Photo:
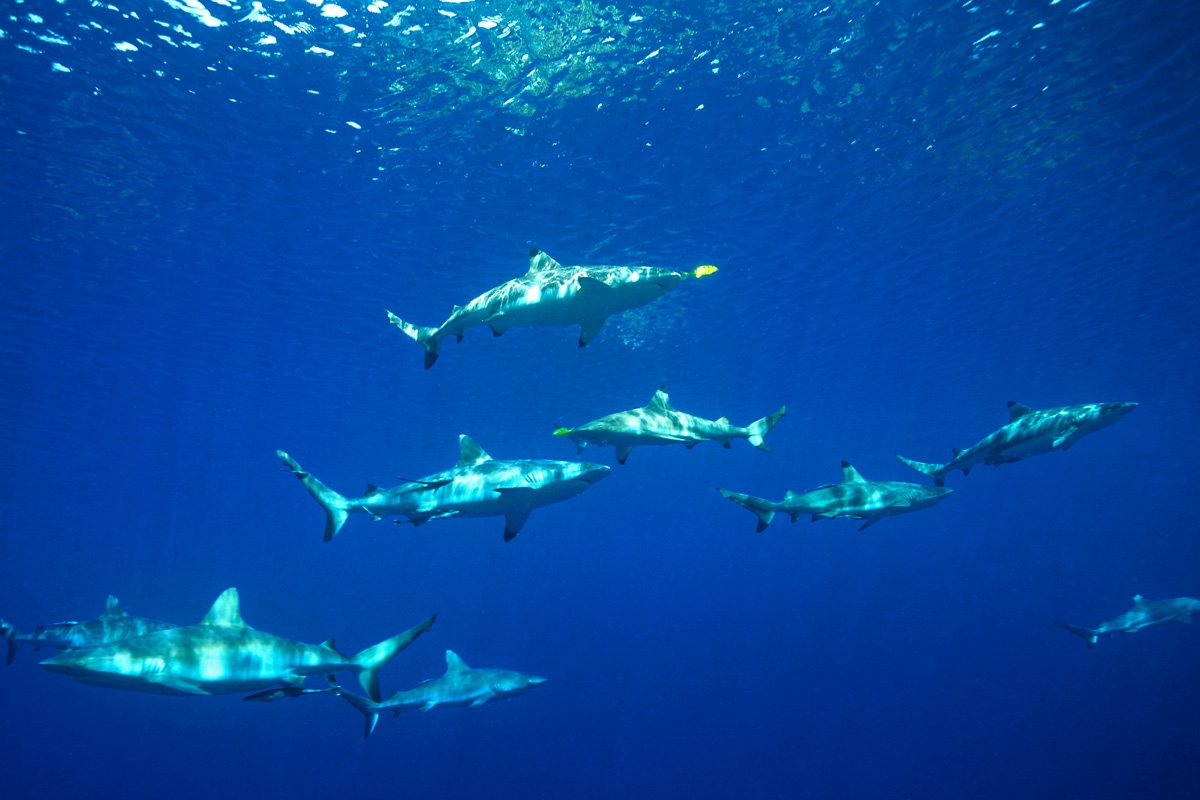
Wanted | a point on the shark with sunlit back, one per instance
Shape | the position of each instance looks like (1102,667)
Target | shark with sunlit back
(657,423)
(1144,614)
(222,655)
(460,686)
(1029,432)
(552,294)
(477,486)
(113,625)
(855,498)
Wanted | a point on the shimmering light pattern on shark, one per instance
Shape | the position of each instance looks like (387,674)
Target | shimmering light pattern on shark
(478,486)
(854,498)
(221,655)
(551,294)
(1144,614)
(657,423)
(1029,432)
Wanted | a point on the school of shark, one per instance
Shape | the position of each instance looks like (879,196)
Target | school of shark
(221,654)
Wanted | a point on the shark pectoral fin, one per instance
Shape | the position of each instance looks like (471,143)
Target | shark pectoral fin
(429,704)
(1065,439)
(623,451)
(176,685)
(589,328)
(868,523)
(690,443)
(498,326)
(420,519)
(478,701)
(513,522)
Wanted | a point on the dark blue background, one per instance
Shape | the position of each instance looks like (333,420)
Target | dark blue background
(914,224)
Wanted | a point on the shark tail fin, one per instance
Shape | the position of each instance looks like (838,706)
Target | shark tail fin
(763,509)
(760,428)
(366,706)
(428,338)
(337,508)
(375,657)
(1088,635)
(935,471)
(10,641)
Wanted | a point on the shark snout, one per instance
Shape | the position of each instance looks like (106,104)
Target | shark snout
(592,473)
(1117,410)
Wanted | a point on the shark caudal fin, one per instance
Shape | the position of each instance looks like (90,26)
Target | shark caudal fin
(337,508)
(373,659)
(762,427)
(426,337)
(366,706)
(1089,636)
(10,641)
(763,509)
(935,471)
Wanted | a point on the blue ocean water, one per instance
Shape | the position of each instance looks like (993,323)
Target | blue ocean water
(919,212)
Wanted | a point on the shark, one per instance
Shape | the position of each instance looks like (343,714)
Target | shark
(1029,432)
(657,423)
(113,625)
(1144,614)
(460,685)
(223,655)
(855,497)
(552,294)
(477,486)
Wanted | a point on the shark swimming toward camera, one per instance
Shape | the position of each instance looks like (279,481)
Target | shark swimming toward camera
(113,625)
(477,486)
(460,686)
(657,423)
(1144,614)
(855,498)
(552,294)
(222,655)
(1029,432)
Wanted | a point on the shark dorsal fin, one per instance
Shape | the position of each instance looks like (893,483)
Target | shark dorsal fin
(1138,600)
(722,420)
(371,488)
(225,612)
(470,453)
(661,400)
(850,474)
(1017,410)
(113,608)
(539,261)
(454,662)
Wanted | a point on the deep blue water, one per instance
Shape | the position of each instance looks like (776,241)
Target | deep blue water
(918,213)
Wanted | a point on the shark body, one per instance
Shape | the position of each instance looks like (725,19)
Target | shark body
(1144,614)
(460,685)
(657,423)
(222,655)
(855,497)
(113,625)
(552,294)
(478,486)
(1029,432)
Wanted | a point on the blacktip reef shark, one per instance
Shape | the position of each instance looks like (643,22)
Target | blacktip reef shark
(552,294)
(657,423)
(113,625)
(222,655)
(1029,432)
(460,686)
(1144,614)
(855,497)
(477,486)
